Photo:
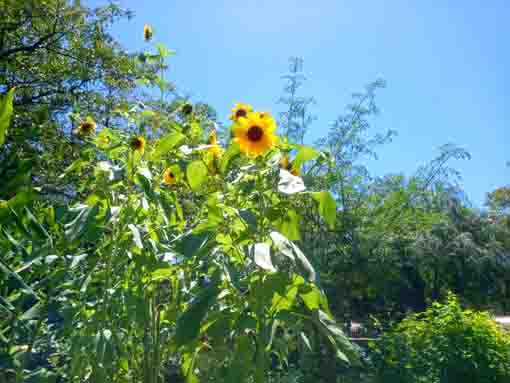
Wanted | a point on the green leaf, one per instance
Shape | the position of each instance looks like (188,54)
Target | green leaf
(288,225)
(188,324)
(162,273)
(164,51)
(196,174)
(137,238)
(166,144)
(144,179)
(5,269)
(311,298)
(345,350)
(305,153)
(230,153)
(15,203)
(36,226)
(84,224)
(188,366)
(285,301)
(5,114)
(327,206)
(305,340)
(32,313)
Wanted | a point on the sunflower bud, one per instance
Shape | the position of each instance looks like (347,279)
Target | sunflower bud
(147,32)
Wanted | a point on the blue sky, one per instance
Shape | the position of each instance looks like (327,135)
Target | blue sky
(446,63)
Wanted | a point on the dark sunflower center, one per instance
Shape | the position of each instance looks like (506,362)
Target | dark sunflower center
(241,113)
(255,133)
(87,126)
(187,109)
(136,143)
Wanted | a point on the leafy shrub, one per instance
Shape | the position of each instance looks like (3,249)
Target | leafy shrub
(444,344)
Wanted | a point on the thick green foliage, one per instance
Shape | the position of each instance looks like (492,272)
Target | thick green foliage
(442,345)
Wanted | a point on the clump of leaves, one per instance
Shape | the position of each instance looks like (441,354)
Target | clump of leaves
(444,344)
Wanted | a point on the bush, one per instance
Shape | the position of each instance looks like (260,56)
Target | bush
(444,344)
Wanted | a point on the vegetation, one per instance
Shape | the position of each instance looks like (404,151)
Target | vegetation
(444,344)
(143,242)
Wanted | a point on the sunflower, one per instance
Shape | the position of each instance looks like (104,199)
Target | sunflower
(169,177)
(213,138)
(255,133)
(213,153)
(137,143)
(287,165)
(147,32)
(87,127)
(240,110)
(215,150)
(187,109)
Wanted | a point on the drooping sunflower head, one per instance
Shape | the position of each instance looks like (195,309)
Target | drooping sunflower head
(87,127)
(187,109)
(137,144)
(213,138)
(255,134)
(147,32)
(286,164)
(169,177)
(240,110)
(215,150)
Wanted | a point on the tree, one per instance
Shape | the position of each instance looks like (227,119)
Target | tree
(60,58)
(295,121)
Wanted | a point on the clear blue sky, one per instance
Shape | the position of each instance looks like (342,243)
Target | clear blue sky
(446,63)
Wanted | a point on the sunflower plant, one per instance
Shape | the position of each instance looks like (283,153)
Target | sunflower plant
(180,253)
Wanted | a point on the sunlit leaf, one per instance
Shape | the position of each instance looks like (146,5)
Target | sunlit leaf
(304,154)
(137,238)
(327,206)
(231,152)
(5,114)
(196,174)
(289,225)
(166,144)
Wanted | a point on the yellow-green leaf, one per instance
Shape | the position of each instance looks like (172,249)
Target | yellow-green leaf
(304,154)
(166,144)
(196,174)
(5,114)
(327,206)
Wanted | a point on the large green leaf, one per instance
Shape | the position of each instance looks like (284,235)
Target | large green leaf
(5,114)
(6,270)
(305,153)
(228,156)
(327,206)
(196,174)
(311,296)
(345,350)
(15,203)
(188,324)
(166,144)
(288,225)
(83,224)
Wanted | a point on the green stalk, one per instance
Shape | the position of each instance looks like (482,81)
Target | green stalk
(22,365)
